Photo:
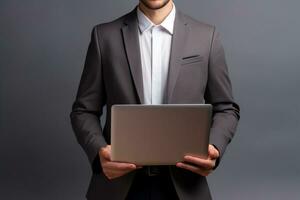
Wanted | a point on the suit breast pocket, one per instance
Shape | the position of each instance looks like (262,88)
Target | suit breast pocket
(191,59)
(191,80)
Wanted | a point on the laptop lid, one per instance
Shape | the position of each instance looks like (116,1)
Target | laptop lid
(160,134)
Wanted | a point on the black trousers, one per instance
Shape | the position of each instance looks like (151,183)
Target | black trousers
(159,187)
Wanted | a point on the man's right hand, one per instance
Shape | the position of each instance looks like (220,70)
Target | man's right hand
(113,169)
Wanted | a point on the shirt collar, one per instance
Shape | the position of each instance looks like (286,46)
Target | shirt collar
(145,23)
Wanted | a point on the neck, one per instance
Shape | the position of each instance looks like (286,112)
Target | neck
(157,15)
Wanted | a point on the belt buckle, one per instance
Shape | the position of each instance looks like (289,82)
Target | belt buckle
(152,171)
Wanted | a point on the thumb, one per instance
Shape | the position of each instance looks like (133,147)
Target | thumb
(105,152)
(213,152)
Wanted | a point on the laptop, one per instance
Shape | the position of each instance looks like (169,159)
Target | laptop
(148,134)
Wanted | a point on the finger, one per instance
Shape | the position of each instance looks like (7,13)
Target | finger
(105,153)
(194,169)
(213,153)
(120,166)
(204,163)
(114,173)
(108,147)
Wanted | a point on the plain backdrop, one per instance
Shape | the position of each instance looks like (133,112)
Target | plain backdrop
(42,50)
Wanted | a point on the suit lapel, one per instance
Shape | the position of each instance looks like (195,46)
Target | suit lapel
(178,42)
(131,41)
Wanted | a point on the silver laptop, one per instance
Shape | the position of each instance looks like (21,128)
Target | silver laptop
(159,134)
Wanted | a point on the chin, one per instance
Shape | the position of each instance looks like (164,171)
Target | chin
(154,4)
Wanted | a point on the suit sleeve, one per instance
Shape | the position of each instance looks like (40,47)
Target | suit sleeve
(226,112)
(89,102)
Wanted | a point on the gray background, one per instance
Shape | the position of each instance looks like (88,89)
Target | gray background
(43,46)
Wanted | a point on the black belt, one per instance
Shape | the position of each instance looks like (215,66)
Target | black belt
(154,170)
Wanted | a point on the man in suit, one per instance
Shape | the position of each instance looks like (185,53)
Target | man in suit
(154,54)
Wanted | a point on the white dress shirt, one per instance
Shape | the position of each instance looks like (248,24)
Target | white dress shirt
(155,46)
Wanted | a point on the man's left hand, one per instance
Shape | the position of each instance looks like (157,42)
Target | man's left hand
(198,165)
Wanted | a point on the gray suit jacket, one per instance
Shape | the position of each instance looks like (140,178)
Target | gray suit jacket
(112,75)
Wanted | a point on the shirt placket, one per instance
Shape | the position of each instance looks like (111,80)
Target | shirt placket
(156,67)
